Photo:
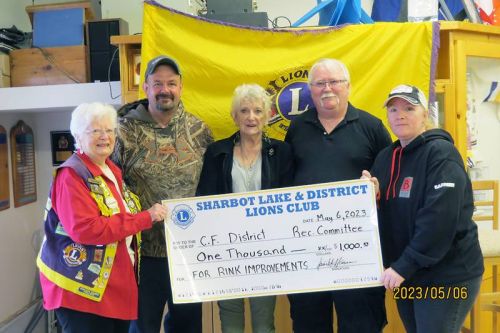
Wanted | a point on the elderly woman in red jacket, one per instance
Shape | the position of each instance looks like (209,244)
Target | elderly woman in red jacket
(87,259)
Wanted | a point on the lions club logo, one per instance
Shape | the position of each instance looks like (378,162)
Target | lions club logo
(183,216)
(74,255)
(291,97)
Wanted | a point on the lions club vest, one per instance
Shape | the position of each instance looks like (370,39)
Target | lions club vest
(79,268)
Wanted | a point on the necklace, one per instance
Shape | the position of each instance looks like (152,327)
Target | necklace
(248,158)
(246,178)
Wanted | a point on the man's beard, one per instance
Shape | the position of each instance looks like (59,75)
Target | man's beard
(165,106)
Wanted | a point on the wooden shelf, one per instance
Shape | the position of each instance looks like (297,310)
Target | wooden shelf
(127,39)
(89,13)
(50,65)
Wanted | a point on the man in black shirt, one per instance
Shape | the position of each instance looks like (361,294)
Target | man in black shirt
(335,141)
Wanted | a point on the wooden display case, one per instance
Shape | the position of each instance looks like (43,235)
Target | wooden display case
(130,57)
(460,40)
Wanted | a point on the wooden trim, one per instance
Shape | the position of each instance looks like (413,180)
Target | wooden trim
(488,185)
(4,171)
(130,39)
(469,27)
(89,13)
(440,86)
(461,99)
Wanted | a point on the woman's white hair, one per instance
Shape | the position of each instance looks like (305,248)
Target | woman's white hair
(87,113)
(253,93)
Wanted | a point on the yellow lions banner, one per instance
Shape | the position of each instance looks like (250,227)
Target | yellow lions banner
(216,57)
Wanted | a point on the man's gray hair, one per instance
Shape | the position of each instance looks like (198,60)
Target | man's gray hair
(330,64)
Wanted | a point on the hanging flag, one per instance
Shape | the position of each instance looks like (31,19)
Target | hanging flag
(489,11)
(216,57)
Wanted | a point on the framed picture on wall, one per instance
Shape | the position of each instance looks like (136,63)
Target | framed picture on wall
(134,70)
(62,146)
(137,69)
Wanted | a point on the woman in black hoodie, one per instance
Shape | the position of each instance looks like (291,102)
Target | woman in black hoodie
(429,241)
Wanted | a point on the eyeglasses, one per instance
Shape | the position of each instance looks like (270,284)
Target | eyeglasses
(331,83)
(99,132)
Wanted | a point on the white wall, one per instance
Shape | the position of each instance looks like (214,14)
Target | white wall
(12,12)
(22,227)
(132,13)
(19,227)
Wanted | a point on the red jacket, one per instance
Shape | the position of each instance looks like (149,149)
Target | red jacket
(84,223)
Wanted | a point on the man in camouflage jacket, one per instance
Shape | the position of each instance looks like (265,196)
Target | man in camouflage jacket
(160,149)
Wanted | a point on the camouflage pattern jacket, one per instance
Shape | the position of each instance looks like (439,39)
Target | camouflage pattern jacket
(159,163)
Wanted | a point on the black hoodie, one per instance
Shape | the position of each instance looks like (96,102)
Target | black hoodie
(425,211)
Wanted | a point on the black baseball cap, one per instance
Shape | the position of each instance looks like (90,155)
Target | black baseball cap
(154,63)
(409,93)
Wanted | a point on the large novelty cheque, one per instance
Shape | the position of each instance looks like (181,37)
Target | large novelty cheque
(281,241)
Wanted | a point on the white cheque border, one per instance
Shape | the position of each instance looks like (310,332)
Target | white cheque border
(271,242)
